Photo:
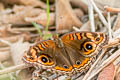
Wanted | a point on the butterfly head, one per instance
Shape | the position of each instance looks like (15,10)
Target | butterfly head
(30,56)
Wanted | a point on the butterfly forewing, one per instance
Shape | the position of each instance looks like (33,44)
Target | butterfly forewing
(47,55)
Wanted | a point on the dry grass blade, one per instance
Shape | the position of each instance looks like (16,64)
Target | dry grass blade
(99,13)
(91,16)
(109,26)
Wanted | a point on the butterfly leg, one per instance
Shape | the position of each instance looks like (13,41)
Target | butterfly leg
(36,75)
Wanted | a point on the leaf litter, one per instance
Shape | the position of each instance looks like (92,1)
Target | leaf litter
(17,33)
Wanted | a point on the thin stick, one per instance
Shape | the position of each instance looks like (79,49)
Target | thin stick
(106,62)
(10,74)
(91,16)
(92,67)
(117,33)
(12,69)
(112,43)
(76,29)
(99,13)
(110,9)
(109,26)
(6,42)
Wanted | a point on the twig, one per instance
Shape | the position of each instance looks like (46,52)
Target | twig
(99,13)
(76,29)
(109,26)
(110,9)
(92,67)
(12,69)
(106,62)
(113,42)
(24,29)
(117,33)
(91,16)
(10,74)
(6,42)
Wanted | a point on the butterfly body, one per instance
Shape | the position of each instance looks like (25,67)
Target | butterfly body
(70,54)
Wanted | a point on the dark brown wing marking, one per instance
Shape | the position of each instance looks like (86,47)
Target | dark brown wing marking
(78,35)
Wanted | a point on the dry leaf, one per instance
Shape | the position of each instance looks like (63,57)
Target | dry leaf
(4,55)
(80,4)
(79,13)
(42,19)
(65,17)
(34,3)
(108,73)
(17,51)
(19,15)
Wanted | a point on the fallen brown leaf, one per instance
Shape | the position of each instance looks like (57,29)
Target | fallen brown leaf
(108,73)
(20,12)
(65,17)
(42,19)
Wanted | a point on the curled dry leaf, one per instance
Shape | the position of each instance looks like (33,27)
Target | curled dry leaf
(9,34)
(5,55)
(65,17)
(7,31)
(79,13)
(108,73)
(80,4)
(42,19)
(12,39)
(20,14)
(35,3)
(10,1)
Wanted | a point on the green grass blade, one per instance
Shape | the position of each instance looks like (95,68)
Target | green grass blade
(48,12)
(38,28)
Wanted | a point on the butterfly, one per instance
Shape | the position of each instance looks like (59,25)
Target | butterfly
(70,54)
